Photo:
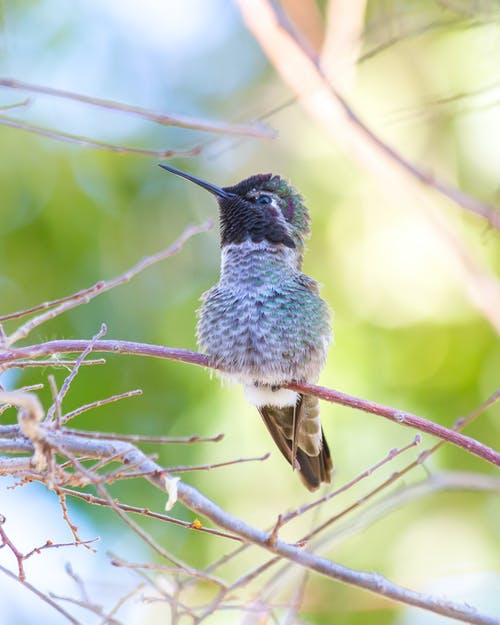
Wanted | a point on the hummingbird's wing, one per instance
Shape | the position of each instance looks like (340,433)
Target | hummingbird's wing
(299,436)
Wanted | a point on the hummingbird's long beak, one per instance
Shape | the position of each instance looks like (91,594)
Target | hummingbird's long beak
(211,188)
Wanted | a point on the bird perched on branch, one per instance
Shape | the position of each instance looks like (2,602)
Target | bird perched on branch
(264,324)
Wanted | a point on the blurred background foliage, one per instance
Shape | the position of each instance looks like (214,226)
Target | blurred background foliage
(406,333)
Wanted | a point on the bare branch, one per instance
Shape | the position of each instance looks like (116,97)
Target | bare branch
(71,446)
(460,424)
(139,438)
(42,596)
(100,402)
(310,81)
(52,363)
(85,296)
(306,16)
(398,416)
(56,406)
(6,542)
(340,51)
(84,142)
(119,562)
(194,500)
(390,456)
(400,179)
(164,119)
(99,501)
(208,467)
(50,545)
(16,105)
(87,605)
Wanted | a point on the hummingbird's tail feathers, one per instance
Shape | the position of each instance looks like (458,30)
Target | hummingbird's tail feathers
(315,469)
(297,432)
(269,416)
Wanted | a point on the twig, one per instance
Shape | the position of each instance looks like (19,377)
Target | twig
(72,527)
(208,467)
(63,450)
(340,50)
(99,501)
(85,296)
(50,545)
(139,438)
(52,363)
(297,600)
(23,389)
(42,596)
(412,32)
(282,519)
(78,581)
(286,518)
(16,105)
(120,603)
(164,119)
(97,404)
(241,582)
(280,46)
(6,542)
(402,180)
(118,562)
(47,305)
(84,142)
(402,417)
(56,406)
(460,423)
(87,605)
(197,502)
(182,355)
(373,582)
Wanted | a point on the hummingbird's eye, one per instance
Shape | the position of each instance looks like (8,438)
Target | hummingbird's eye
(263,199)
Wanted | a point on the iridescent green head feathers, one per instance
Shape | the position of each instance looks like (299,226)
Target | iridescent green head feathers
(261,207)
(282,195)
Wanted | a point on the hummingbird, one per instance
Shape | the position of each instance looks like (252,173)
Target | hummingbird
(264,323)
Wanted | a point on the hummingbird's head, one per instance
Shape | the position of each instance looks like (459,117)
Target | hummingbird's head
(260,208)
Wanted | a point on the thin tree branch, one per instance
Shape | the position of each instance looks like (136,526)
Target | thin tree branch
(194,500)
(281,48)
(86,295)
(100,402)
(402,180)
(84,142)
(42,596)
(397,475)
(140,438)
(71,446)
(56,406)
(183,355)
(52,363)
(99,501)
(344,27)
(289,516)
(164,119)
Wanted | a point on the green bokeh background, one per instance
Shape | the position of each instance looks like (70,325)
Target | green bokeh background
(406,332)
